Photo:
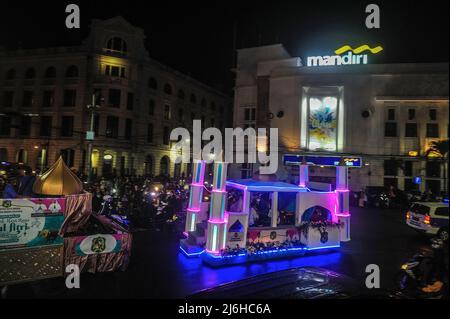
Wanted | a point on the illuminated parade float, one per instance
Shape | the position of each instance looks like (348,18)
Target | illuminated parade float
(41,236)
(304,217)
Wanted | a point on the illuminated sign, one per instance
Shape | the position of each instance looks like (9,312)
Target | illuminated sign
(352,56)
(350,161)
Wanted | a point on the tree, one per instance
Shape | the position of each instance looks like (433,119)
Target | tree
(439,149)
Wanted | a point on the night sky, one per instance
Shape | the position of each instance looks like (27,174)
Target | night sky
(197,38)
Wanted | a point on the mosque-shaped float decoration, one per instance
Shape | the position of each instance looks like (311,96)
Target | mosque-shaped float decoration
(299,219)
(42,235)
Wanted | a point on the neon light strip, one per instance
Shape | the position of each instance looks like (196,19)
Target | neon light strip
(214,239)
(199,171)
(197,184)
(193,210)
(342,190)
(224,238)
(191,254)
(219,175)
(344,215)
(217,221)
(193,222)
(214,254)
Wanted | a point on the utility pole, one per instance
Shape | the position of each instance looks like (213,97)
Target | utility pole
(90,135)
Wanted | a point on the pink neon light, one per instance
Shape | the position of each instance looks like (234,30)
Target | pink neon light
(212,252)
(302,185)
(196,184)
(342,190)
(217,221)
(193,210)
(215,190)
(185,234)
(343,215)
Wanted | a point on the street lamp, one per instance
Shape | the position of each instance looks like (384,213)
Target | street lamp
(90,135)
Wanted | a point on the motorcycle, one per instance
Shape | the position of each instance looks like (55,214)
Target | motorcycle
(413,279)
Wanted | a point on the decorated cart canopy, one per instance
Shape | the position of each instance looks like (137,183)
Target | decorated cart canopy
(40,236)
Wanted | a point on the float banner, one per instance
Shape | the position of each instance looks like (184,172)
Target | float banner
(30,222)
(349,161)
(97,244)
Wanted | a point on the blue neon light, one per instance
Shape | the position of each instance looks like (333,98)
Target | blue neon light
(193,222)
(219,175)
(214,239)
(191,254)
(199,168)
(351,161)
(277,251)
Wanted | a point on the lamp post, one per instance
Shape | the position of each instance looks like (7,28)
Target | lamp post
(90,135)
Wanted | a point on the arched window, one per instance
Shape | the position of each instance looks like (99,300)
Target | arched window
(213,106)
(3,154)
(167,88)
(164,166)
(30,73)
(72,72)
(193,98)
(203,103)
(152,83)
(50,72)
(117,44)
(181,94)
(11,74)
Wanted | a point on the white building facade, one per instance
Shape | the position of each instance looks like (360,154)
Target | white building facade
(388,114)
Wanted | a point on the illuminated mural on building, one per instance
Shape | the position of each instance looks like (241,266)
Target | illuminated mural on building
(322,123)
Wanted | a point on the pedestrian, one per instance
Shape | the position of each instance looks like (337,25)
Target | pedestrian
(362,199)
(10,191)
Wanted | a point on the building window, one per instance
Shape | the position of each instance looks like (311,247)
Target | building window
(408,168)
(10,75)
(70,97)
(152,83)
(181,94)
(114,98)
(192,116)
(117,44)
(433,169)
(167,114)
(130,101)
(68,156)
(25,126)
(166,135)
(27,99)
(390,129)
(193,98)
(411,130)
(411,114)
(213,123)
(128,129)
(115,71)
(203,103)
(390,168)
(8,98)
(391,114)
(50,72)
(150,133)
(221,109)
(151,107)
(180,114)
(432,113)
(432,130)
(168,89)
(112,126)
(45,128)
(67,126)
(250,114)
(5,127)
(48,98)
(30,74)
(72,72)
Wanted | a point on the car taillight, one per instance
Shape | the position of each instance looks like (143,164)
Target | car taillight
(427,219)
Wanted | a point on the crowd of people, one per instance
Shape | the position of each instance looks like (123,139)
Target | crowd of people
(140,201)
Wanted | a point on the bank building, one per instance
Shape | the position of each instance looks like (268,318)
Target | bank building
(385,121)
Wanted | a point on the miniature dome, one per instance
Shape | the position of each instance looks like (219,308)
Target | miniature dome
(58,180)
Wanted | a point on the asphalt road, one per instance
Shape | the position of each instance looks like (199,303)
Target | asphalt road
(158,270)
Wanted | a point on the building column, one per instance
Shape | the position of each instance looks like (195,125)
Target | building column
(342,202)
(274,209)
